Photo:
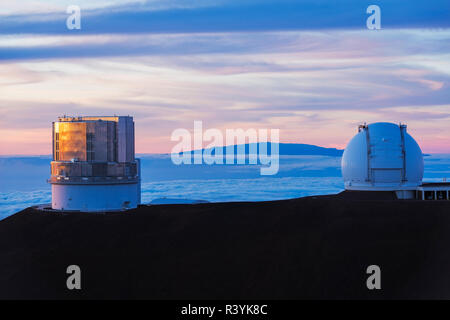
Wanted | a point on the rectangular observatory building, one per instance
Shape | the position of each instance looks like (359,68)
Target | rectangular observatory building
(94,166)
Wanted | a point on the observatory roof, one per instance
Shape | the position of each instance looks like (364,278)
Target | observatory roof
(91,118)
(382,156)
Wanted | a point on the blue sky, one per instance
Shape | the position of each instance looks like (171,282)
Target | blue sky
(178,16)
(309,68)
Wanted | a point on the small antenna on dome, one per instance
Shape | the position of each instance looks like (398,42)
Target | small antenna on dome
(362,126)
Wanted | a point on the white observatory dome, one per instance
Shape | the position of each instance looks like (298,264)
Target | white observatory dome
(382,156)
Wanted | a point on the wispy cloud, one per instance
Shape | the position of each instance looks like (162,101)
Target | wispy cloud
(231,65)
(219,16)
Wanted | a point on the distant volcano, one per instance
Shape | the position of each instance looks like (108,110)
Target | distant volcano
(285,149)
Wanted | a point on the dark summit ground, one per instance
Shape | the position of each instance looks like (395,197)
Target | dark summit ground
(314,247)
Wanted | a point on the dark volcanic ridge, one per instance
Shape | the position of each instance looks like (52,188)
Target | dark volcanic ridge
(284,149)
(313,247)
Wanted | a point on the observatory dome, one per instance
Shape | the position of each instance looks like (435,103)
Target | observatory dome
(382,156)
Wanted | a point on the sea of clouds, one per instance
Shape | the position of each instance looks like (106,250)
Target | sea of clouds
(23,180)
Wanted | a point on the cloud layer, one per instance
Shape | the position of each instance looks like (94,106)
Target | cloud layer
(298,176)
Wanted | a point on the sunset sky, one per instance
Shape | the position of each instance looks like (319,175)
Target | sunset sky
(309,68)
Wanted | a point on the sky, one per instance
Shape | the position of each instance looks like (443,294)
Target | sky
(308,68)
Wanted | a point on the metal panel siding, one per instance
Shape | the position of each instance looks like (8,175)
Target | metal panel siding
(386,175)
(125,139)
(72,140)
(99,169)
(130,139)
(101,141)
(386,151)
(111,138)
(53,141)
(121,140)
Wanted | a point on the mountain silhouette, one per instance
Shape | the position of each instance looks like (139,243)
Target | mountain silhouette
(285,149)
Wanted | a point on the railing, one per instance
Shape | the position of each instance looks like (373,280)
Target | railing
(92,180)
(433,194)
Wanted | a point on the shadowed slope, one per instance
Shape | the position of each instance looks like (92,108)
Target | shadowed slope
(315,247)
